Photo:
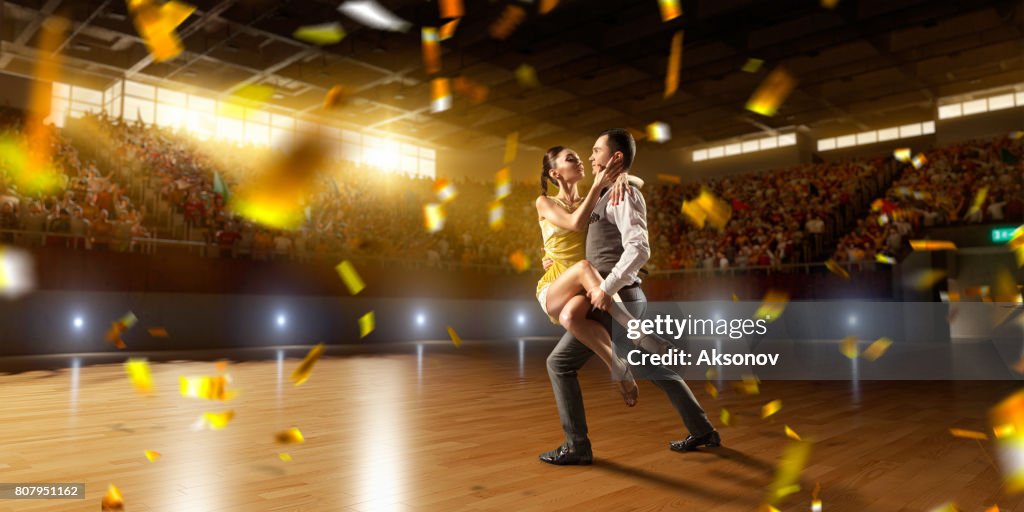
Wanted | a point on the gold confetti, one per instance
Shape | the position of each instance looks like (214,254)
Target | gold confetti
(772,306)
(152,456)
(902,154)
(670,178)
(834,267)
(451,8)
(993,508)
(322,35)
(694,213)
(305,368)
(221,366)
(445,190)
(138,372)
(659,132)
(456,340)
(718,211)
(511,146)
(882,258)
(251,96)
(876,349)
(433,217)
(440,94)
(752,65)
(670,9)
(30,161)
(787,474)
(366,324)
(206,388)
(1007,419)
(675,61)
(510,19)
(979,200)
(519,261)
(112,500)
(749,385)
(496,215)
(156,23)
(285,457)
(772,92)
(767,508)
(816,505)
(476,93)
(118,327)
(348,274)
(968,434)
(431,50)
(712,373)
(848,347)
(946,507)
(158,332)
(448,29)
(527,76)
(711,389)
(726,417)
(790,433)
(547,6)
(925,279)
(502,183)
(735,298)
(771,408)
(336,97)
(274,195)
(919,161)
(290,436)
(215,420)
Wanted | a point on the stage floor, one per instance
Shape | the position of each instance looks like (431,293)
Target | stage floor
(431,427)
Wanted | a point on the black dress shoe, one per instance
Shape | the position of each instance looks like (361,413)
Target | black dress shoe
(565,455)
(711,440)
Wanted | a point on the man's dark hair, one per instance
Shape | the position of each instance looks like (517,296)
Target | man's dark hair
(621,140)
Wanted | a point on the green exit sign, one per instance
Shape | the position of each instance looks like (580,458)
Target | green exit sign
(1002,235)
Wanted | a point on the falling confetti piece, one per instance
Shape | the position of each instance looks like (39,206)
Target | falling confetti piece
(215,420)
(366,324)
(718,211)
(448,29)
(670,9)
(772,306)
(321,35)
(834,267)
(902,154)
(968,434)
(767,508)
(274,195)
(979,200)
(348,274)
(919,161)
(1007,419)
(949,296)
(451,8)
(787,474)
(659,132)
(152,456)
(946,507)
(519,261)
(993,508)
(431,50)
(510,19)
(749,385)
(440,94)
(206,387)
(790,433)
(735,298)
(502,184)
(711,389)
(138,372)
(305,368)
(496,215)
(816,506)
(511,146)
(848,347)
(290,436)
(876,349)
(752,65)
(772,92)
(670,178)
(726,417)
(694,213)
(285,457)
(445,190)
(675,61)
(16,273)
(157,23)
(476,92)
(433,217)
(526,76)
(456,340)
(711,373)
(336,97)
(882,258)
(771,408)
(547,6)
(158,332)
(112,500)
(373,15)
(118,327)
(925,279)
(221,366)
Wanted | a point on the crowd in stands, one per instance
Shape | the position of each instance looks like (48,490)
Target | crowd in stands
(782,216)
(962,183)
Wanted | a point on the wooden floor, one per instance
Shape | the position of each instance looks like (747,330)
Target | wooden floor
(461,429)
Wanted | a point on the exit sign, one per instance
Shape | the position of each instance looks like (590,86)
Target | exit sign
(1002,235)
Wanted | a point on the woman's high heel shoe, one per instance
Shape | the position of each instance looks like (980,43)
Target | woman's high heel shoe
(627,386)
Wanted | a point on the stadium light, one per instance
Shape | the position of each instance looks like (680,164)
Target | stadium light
(421,319)
(852,320)
(521,319)
(281,320)
(78,322)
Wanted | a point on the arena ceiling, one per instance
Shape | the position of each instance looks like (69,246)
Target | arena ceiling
(863,65)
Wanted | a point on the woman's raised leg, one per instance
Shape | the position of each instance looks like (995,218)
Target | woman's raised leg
(592,334)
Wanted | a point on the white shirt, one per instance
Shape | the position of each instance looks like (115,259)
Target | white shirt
(630,216)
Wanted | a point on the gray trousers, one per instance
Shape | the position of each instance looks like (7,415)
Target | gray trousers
(570,354)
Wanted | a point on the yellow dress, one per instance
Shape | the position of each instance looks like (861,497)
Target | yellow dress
(564,247)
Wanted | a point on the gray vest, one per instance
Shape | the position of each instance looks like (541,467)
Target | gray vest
(604,241)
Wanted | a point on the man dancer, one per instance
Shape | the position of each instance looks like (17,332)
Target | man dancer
(617,247)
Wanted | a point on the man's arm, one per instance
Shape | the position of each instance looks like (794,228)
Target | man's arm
(630,216)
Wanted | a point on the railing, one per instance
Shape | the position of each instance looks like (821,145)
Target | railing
(785,268)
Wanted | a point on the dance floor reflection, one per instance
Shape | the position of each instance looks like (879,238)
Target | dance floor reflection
(431,427)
